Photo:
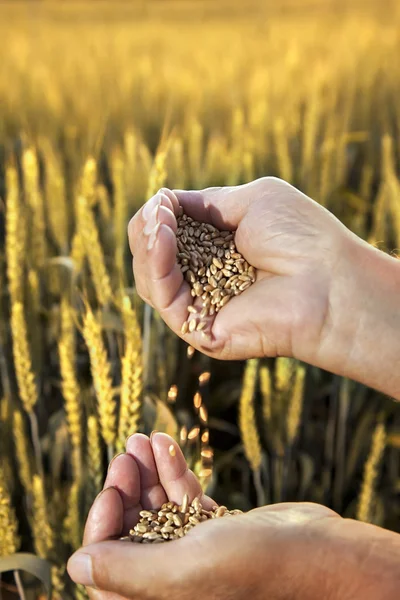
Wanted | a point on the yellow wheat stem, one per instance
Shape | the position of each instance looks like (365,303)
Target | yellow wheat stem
(94,459)
(247,417)
(101,374)
(371,469)
(94,252)
(23,452)
(9,541)
(14,236)
(22,358)
(295,407)
(132,376)
(34,198)
(70,385)
(42,533)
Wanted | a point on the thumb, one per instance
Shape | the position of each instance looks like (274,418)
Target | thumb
(131,570)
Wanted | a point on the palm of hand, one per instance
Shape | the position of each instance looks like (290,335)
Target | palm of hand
(143,478)
(207,561)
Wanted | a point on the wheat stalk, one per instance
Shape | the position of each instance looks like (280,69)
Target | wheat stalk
(22,358)
(14,236)
(284,371)
(295,407)
(371,469)
(22,451)
(101,374)
(88,181)
(132,376)
(94,252)
(247,417)
(94,459)
(72,522)
(56,202)
(9,541)
(158,174)
(43,538)
(70,385)
(34,198)
(120,207)
(266,393)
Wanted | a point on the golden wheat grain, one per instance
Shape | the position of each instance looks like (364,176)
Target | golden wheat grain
(94,459)
(132,376)
(69,383)
(43,537)
(295,407)
(247,416)
(94,251)
(22,451)
(371,469)
(22,358)
(34,199)
(15,237)
(9,540)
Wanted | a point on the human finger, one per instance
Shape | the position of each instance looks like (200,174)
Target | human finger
(152,494)
(173,471)
(123,475)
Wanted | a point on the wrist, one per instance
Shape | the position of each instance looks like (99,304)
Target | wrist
(361,333)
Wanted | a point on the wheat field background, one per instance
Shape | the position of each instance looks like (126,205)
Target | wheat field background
(101,104)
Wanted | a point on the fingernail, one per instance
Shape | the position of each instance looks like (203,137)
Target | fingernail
(152,221)
(80,568)
(150,205)
(153,237)
(153,433)
(112,460)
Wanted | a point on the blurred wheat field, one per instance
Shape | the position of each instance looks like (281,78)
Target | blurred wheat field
(102,104)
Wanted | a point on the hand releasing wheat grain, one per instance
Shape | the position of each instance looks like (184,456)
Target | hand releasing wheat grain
(291,241)
(300,551)
(321,295)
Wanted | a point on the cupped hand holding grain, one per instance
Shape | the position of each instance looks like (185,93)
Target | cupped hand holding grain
(321,295)
(292,550)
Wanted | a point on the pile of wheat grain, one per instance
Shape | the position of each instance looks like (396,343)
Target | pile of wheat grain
(211,264)
(173,521)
